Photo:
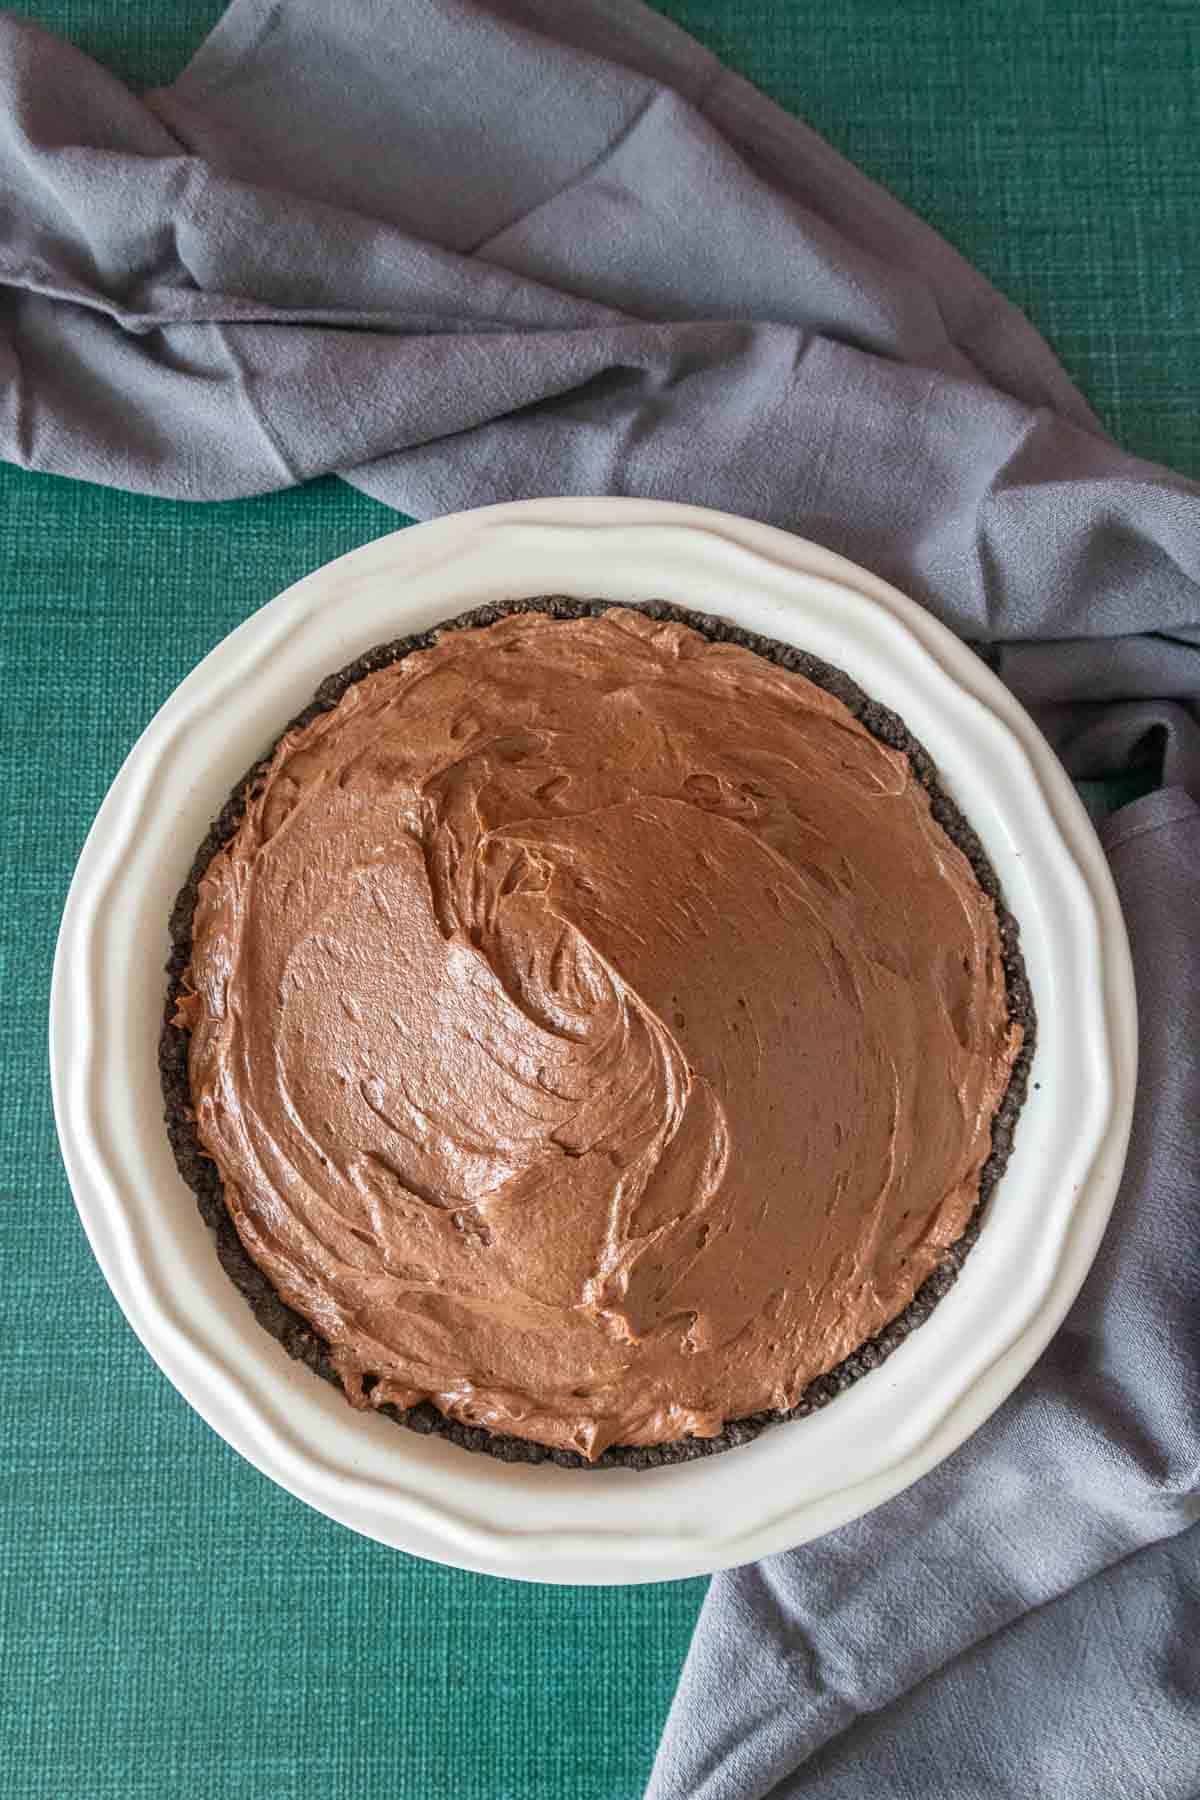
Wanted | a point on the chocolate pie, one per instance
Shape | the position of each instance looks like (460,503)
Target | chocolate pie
(593,1032)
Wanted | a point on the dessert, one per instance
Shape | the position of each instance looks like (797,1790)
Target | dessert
(593,1032)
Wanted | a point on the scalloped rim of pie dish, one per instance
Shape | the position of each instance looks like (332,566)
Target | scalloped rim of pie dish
(544,1523)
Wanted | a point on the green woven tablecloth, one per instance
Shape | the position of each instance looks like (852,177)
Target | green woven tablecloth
(171,1624)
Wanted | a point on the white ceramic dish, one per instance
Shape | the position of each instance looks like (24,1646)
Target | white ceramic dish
(545,1523)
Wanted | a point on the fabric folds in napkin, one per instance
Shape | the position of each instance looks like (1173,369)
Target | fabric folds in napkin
(460,251)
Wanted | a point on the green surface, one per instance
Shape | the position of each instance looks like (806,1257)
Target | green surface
(170,1623)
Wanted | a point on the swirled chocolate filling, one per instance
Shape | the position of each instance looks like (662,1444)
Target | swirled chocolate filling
(594,1030)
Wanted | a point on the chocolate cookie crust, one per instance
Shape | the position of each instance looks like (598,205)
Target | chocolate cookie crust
(298,1337)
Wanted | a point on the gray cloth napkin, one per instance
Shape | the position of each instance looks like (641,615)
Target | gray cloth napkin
(460,251)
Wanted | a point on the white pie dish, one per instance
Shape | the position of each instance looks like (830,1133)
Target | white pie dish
(544,1523)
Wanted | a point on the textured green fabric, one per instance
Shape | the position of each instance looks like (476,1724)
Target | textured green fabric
(170,1623)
